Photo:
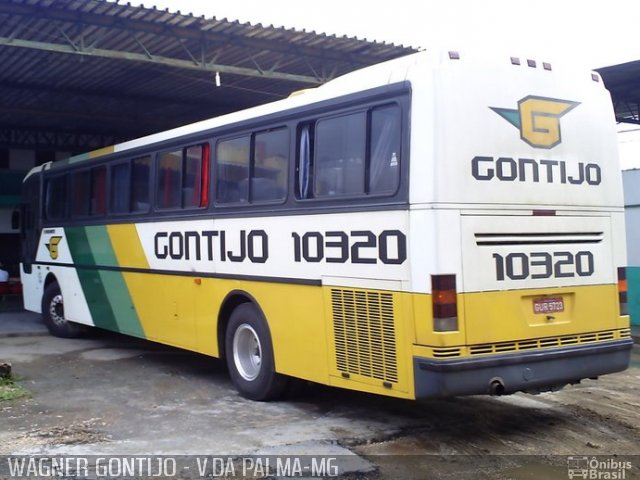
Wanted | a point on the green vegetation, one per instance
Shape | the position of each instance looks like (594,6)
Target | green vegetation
(10,390)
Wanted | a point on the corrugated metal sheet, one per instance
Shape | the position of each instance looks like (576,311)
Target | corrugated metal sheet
(623,83)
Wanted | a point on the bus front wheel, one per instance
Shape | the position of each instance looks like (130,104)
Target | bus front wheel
(249,355)
(53,314)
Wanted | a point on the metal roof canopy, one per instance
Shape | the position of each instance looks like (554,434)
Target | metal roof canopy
(623,81)
(80,74)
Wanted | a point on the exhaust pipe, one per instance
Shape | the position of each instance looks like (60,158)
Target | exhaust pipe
(496,387)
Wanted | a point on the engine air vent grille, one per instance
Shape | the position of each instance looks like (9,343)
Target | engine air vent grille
(364,330)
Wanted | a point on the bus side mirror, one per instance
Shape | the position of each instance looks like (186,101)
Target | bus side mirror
(15,220)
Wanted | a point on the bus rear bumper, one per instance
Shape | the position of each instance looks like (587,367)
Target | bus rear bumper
(531,372)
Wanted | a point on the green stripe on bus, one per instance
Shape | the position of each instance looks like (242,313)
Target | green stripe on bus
(121,304)
(105,291)
(115,286)
(100,246)
(79,246)
(90,281)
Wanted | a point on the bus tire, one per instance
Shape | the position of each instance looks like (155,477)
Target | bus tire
(53,314)
(249,354)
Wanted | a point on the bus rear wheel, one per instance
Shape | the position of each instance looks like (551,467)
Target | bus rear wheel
(249,355)
(53,314)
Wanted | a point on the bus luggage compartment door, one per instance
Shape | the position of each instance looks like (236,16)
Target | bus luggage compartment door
(529,277)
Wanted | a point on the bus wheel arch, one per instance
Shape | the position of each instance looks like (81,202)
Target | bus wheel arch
(53,311)
(51,278)
(248,349)
(229,304)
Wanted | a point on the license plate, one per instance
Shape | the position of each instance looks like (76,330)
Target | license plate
(548,305)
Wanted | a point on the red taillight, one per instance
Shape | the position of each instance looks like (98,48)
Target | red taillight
(622,291)
(444,300)
(204,178)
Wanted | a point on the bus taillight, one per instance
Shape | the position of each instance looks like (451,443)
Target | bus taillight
(622,291)
(444,301)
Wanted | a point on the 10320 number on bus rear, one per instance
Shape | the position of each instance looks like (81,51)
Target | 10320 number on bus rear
(540,265)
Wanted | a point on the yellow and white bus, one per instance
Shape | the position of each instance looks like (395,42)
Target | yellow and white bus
(436,225)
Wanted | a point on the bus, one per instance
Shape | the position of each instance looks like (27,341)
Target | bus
(441,224)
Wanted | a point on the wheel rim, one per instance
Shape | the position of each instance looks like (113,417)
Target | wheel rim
(247,352)
(56,310)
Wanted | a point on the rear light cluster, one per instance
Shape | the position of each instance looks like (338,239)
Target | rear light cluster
(444,300)
(622,291)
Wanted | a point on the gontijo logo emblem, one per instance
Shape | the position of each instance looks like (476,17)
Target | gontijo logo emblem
(52,246)
(538,119)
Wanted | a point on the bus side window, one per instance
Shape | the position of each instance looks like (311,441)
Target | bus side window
(80,189)
(232,170)
(169,182)
(98,191)
(120,187)
(180,178)
(140,172)
(340,152)
(56,197)
(192,177)
(305,160)
(384,145)
(270,165)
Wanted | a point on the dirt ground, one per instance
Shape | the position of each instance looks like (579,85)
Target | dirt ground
(113,395)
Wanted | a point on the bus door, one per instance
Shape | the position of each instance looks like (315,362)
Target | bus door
(30,222)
